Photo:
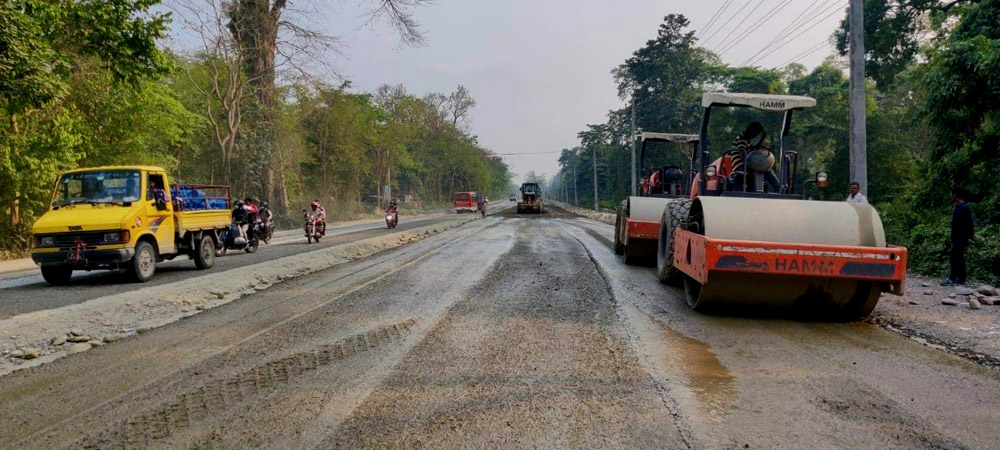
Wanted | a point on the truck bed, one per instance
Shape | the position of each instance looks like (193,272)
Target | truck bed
(206,219)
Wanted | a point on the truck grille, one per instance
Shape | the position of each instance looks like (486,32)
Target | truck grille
(89,238)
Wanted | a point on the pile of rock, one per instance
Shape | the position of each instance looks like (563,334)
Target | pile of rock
(976,298)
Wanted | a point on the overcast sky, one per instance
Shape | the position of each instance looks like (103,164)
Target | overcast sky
(540,69)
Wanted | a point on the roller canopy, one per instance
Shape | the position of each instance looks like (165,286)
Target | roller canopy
(759,101)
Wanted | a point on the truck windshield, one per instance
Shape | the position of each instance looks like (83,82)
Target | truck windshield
(99,186)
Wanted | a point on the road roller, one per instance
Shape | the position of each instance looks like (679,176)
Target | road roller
(531,199)
(745,242)
(637,222)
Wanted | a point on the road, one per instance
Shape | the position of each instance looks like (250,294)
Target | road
(24,290)
(513,331)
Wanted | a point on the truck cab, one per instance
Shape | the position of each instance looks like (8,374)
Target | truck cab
(122,217)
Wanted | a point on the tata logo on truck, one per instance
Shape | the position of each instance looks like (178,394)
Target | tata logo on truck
(764,104)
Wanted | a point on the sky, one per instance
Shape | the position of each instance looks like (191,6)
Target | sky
(540,69)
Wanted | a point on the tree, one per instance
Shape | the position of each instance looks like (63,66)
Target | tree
(43,44)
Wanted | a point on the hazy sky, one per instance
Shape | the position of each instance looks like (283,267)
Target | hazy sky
(540,69)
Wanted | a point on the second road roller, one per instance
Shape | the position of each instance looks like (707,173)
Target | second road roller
(637,222)
(747,243)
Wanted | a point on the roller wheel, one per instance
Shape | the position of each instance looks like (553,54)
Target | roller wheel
(57,275)
(692,290)
(674,216)
(862,302)
(204,253)
(619,246)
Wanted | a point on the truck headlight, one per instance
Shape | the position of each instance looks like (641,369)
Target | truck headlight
(46,241)
(710,172)
(117,237)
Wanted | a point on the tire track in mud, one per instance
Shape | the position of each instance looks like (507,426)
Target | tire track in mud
(221,395)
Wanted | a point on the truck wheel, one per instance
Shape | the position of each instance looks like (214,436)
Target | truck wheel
(204,253)
(674,216)
(143,265)
(57,275)
(619,247)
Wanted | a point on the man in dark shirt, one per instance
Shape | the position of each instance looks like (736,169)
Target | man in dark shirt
(962,231)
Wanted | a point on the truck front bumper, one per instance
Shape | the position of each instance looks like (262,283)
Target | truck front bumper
(86,258)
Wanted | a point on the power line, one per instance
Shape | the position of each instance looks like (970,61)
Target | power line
(806,22)
(767,17)
(527,153)
(792,39)
(737,27)
(714,18)
(808,52)
(782,32)
(717,30)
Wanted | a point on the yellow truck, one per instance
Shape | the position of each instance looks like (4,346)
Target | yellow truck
(126,217)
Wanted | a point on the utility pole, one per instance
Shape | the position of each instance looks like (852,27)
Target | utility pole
(576,198)
(594,149)
(859,130)
(632,135)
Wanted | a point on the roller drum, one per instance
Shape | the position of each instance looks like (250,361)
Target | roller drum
(793,222)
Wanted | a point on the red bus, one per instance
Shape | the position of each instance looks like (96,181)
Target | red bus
(465,201)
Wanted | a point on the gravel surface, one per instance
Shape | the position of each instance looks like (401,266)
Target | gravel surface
(942,317)
(514,331)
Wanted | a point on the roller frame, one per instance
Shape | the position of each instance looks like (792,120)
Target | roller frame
(698,256)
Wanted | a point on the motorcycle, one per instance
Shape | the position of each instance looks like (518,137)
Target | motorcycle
(265,230)
(314,227)
(231,239)
(391,218)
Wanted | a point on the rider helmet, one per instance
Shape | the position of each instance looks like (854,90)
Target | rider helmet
(314,204)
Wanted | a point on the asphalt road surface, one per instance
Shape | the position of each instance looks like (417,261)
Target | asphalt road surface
(26,291)
(514,331)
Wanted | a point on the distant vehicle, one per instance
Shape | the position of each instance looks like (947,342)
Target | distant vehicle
(512,198)
(465,201)
(531,199)
(125,217)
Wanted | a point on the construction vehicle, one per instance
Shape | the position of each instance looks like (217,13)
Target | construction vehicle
(123,217)
(637,221)
(747,243)
(531,199)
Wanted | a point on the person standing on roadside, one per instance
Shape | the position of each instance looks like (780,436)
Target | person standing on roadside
(963,230)
(856,195)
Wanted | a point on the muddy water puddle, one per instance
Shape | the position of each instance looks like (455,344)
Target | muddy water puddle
(713,386)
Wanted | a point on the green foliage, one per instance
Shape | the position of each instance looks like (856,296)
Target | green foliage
(74,88)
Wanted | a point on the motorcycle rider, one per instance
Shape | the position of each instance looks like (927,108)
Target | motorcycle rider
(394,208)
(481,206)
(265,215)
(239,216)
(253,214)
(320,213)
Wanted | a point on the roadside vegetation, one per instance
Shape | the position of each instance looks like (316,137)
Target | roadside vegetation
(932,119)
(239,100)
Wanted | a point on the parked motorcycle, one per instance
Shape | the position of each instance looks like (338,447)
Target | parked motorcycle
(391,218)
(231,239)
(314,227)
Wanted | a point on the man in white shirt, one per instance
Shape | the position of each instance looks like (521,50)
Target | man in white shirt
(856,195)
